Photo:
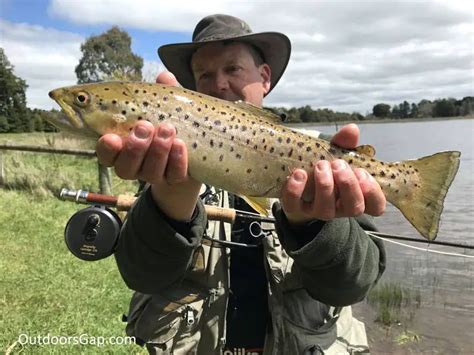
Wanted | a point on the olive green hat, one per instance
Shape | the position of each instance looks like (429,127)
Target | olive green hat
(275,47)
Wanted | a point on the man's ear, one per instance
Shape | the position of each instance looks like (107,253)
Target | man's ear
(266,74)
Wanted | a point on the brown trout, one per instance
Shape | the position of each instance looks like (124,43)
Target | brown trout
(244,150)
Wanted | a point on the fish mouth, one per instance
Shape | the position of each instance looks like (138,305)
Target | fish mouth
(71,117)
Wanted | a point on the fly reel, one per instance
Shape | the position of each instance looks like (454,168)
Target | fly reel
(92,233)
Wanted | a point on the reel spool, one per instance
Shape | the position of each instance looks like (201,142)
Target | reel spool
(92,233)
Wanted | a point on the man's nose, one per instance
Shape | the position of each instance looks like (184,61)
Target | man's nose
(221,82)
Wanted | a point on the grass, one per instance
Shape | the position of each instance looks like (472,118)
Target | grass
(394,304)
(45,289)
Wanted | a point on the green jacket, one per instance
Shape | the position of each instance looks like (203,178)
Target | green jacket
(181,281)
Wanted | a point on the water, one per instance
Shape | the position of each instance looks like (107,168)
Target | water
(445,282)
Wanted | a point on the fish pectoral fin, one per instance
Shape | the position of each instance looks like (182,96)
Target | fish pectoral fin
(366,149)
(260,204)
(259,112)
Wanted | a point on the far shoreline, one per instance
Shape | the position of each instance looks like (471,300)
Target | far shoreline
(385,120)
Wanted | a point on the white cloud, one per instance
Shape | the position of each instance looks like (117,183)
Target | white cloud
(44,57)
(346,55)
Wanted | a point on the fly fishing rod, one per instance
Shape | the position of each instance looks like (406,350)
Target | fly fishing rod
(92,233)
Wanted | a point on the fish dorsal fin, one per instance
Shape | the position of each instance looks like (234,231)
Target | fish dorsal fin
(366,150)
(259,112)
(260,204)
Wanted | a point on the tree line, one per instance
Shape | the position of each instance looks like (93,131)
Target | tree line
(109,57)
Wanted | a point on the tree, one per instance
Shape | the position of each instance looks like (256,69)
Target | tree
(404,109)
(381,110)
(108,57)
(414,110)
(444,108)
(425,108)
(14,115)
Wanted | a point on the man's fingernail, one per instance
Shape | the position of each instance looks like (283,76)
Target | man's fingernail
(164,132)
(339,164)
(141,132)
(298,176)
(322,166)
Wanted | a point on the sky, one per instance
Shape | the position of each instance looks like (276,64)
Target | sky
(346,55)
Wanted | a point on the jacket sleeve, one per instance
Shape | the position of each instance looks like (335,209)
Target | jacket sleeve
(153,251)
(337,261)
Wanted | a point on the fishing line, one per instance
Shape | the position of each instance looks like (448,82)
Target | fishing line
(422,249)
(260,218)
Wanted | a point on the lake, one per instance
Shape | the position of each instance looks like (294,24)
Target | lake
(445,282)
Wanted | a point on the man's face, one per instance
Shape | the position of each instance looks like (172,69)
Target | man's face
(229,72)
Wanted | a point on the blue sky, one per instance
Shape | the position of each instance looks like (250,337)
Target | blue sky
(35,12)
(347,56)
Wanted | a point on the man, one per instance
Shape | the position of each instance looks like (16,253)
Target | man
(284,295)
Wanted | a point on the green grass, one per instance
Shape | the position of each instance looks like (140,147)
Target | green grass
(394,304)
(45,289)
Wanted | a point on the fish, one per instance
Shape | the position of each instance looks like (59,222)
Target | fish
(246,150)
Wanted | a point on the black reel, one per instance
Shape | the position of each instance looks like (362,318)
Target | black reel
(92,233)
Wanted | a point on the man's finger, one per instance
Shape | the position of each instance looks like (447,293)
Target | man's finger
(350,194)
(374,197)
(130,159)
(292,192)
(324,204)
(167,78)
(347,136)
(177,169)
(156,159)
(107,148)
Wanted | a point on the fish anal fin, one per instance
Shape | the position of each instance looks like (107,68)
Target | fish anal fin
(260,204)
(366,149)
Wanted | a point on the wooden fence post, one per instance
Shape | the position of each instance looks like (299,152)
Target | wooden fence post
(105,180)
(2,172)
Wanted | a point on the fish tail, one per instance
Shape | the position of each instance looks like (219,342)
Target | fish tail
(425,205)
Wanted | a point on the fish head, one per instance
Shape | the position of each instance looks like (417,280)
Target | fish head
(93,110)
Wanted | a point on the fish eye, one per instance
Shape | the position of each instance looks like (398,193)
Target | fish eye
(82,98)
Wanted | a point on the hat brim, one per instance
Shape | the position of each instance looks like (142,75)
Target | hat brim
(275,47)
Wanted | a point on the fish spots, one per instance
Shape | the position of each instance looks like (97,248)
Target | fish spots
(288,140)
(124,112)
(227,170)
(308,149)
(186,116)
(114,102)
(217,122)
(351,161)
(272,149)
(300,144)
(196,124)
(332,150)
(204,158)
(318,145)
(194,145)
(322,157)
(283,167)
(238,156)
(165,98)
(211,143)
(161,117)
(265,167)
(392,176)
(221,157)
(280,140)
(382,173)
(179,109)
(249,171)
(290,153)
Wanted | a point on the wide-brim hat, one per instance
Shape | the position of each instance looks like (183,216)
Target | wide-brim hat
(275,47)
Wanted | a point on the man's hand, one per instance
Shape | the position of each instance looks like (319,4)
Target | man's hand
(335,190)
(156,156)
